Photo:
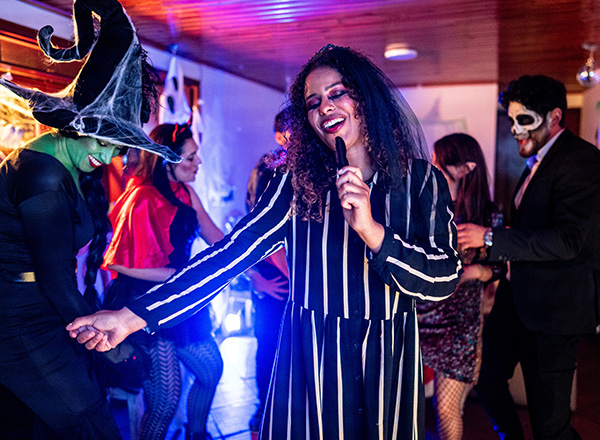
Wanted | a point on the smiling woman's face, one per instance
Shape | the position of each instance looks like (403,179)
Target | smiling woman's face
(185,171)
(330,110)
(88,153)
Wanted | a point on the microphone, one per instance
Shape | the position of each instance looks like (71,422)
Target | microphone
(340,153)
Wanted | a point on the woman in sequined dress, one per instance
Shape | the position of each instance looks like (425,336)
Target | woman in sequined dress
(450,330)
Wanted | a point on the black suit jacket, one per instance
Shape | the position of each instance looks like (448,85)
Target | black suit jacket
(551,240)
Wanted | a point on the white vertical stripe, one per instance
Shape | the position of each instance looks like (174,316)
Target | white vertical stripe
(364,347)
(366,286)
(307,422)
(381,382)
(306,398)
(428,174)
(433,212)
(293,265)
(408,203)
(345,272)
(340,386)
(366,290)
(387,295)
(388,206)
(450,221)
(324,252)
(307,268)
(322,363)
(416,376)
(316,369)
(387,291)
(291,376)
(394,311)
(365,344)
(399,387)
(270,396)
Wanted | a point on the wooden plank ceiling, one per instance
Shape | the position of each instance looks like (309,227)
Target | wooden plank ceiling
(459,41)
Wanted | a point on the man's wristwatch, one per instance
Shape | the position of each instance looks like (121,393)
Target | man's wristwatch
(488,237)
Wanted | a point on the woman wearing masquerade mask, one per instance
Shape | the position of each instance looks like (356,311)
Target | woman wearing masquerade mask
(51,204)
(450,330)
(363,243)
(155,222)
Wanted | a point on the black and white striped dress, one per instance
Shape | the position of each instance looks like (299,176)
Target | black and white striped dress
(348,363)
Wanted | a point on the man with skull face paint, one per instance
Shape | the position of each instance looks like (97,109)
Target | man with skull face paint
(549,300)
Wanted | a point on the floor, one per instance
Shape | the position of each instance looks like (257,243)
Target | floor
(235,400)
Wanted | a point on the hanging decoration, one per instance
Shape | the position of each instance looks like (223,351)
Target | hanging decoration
(174,107)
(588,75)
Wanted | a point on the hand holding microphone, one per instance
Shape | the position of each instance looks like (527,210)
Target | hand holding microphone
(354,194)
(349,182)
(340,153)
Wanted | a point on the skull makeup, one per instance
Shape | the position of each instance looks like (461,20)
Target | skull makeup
(523,120)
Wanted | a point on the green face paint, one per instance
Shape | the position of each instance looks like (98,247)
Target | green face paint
(88,153)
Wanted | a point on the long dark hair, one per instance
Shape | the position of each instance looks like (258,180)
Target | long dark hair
(95,194)
(185,227)
(473,196)
(388,129)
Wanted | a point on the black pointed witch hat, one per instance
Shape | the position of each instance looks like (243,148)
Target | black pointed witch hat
(105,100)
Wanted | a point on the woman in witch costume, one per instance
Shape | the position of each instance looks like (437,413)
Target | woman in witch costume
(363,243)
(52,204)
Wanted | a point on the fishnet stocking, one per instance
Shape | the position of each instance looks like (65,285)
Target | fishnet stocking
(162,389)
(449,401)
(204,360)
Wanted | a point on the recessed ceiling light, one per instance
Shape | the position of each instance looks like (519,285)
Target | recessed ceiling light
(399,52)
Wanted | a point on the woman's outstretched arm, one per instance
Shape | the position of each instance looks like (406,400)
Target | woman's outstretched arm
(257,235)
(105,329)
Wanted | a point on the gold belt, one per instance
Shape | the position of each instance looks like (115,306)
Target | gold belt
(21,277)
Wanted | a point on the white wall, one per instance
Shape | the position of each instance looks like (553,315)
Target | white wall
(590,115)
(470,109)
(238,120)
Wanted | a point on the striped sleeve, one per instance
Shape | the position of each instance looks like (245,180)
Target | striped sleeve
(256,236)
(421,260)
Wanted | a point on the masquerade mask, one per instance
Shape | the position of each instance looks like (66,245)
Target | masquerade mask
(524,121)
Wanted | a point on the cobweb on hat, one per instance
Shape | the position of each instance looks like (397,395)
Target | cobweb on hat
(104,101)
(115,114)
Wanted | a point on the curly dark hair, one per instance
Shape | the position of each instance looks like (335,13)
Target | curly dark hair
(387,129)
(281,121)
(539,93)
